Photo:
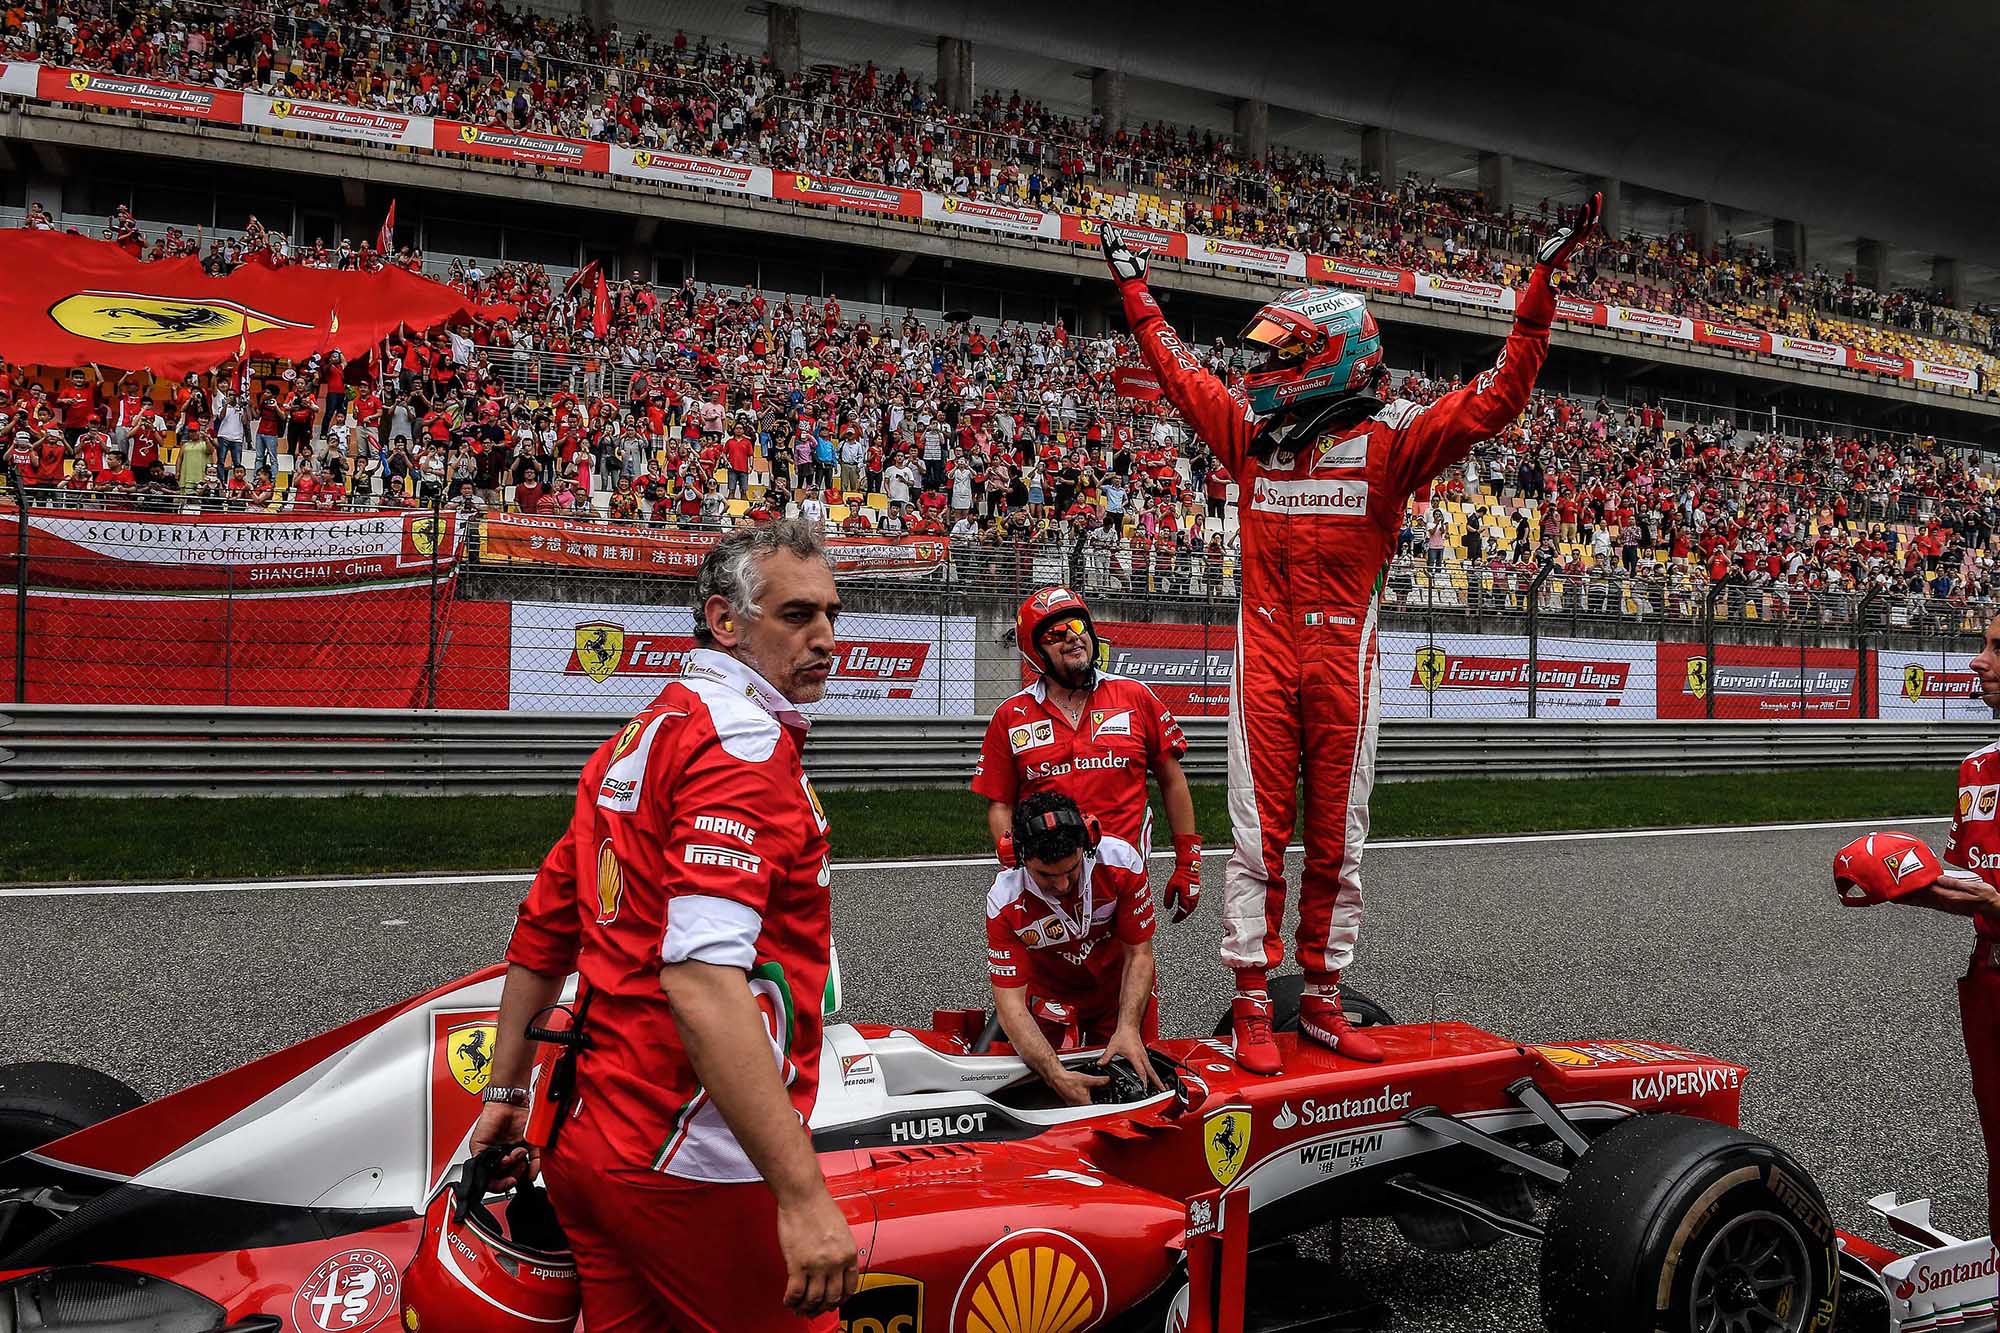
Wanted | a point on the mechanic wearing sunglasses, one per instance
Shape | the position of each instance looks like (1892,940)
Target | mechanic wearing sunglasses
(1091,735)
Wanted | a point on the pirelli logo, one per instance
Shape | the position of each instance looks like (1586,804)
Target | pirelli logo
(702,854)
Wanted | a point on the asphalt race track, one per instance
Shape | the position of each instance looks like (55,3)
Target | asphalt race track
(1727,942)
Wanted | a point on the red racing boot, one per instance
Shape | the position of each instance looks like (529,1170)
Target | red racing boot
(1250,1019)
(1321,1018)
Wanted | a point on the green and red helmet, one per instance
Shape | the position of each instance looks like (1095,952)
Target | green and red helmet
(1309,344)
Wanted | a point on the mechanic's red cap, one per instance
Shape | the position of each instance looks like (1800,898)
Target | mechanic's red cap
(1882,867)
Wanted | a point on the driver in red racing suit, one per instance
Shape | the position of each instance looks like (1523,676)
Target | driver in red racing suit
(1324,471)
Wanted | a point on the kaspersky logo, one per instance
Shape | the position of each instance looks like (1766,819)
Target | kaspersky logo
(135,318)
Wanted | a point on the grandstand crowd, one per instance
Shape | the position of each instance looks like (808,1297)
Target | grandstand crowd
(485,63)
(704,407)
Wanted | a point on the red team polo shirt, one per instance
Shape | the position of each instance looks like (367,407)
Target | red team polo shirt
(1032,942)
(1975,825)
(696,836)
(1101,765)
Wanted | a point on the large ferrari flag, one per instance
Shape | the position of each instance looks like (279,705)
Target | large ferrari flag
(73,301)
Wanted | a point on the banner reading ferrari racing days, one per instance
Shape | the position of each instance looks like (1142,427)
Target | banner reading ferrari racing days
(614,659)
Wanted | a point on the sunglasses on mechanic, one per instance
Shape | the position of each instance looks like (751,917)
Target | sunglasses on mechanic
(1062,631)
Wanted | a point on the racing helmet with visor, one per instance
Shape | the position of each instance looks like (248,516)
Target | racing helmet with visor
(1310,344)
(475,1272)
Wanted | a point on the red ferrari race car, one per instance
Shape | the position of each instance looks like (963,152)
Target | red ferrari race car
(313,1189)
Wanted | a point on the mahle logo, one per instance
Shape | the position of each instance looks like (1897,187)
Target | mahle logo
(129,318)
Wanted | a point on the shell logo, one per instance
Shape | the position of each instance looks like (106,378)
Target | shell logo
(1032,1281)
(1565,1057)
(610,884)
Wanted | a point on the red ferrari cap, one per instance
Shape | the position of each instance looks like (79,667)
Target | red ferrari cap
(1882,867)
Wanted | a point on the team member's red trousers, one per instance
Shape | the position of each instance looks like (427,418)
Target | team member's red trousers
(1305,703)
(1979,1011)
(659,1254)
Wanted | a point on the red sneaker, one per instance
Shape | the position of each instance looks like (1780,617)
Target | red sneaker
(1321,1018)
(1250,1018)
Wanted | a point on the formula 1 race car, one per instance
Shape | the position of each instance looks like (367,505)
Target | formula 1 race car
(303,1190)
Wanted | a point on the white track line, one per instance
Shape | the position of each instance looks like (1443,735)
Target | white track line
(451,881)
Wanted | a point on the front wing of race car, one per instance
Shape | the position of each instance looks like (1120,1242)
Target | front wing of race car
(1945,1283)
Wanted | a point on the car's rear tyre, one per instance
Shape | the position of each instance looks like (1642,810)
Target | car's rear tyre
(1286,991)
(42,1100)
(1674,1223)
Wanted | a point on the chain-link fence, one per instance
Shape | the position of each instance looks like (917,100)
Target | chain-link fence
(592,617)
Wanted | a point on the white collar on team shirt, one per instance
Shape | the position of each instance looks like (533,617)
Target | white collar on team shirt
(712,664)
(1078,927)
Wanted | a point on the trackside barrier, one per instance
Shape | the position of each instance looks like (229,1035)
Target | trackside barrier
(72,749)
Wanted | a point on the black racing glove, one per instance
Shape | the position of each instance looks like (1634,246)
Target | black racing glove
(1127,264)
(1556,250)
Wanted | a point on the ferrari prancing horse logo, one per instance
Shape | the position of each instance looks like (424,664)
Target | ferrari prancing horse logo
(135,317)
(1430,667)
(1225,1141)
(470,1052)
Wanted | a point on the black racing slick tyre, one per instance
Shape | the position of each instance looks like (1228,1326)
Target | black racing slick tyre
(1680,1225)
(1285,992)
(42,1100)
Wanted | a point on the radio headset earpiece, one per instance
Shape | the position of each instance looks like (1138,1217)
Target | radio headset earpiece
(1063,816)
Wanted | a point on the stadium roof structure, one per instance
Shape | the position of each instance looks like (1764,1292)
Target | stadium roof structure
(1857,119)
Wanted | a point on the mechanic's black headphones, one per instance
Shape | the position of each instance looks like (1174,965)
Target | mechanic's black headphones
(1045,814)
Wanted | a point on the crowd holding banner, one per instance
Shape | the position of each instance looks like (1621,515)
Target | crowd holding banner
(541,151)
(73,301)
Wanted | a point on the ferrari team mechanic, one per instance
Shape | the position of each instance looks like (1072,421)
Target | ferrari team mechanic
(1324,471)
(1091,734)
(1885,867)
(1069,945)
(691,893)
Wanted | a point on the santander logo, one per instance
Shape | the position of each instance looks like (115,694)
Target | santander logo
(1285,1118)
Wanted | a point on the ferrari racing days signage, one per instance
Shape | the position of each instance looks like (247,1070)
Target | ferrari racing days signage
(614,659)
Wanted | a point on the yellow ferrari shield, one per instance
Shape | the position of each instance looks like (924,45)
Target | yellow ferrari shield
(1225,1141)
(470,1049)
(424,533)
(1697,677)
(1913,682)
(1430,668)
(131,317)
(468,134)
(600,647)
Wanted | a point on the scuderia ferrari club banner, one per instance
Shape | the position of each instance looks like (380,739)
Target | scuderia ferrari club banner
(573,657)
(107,549)
(74,301)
